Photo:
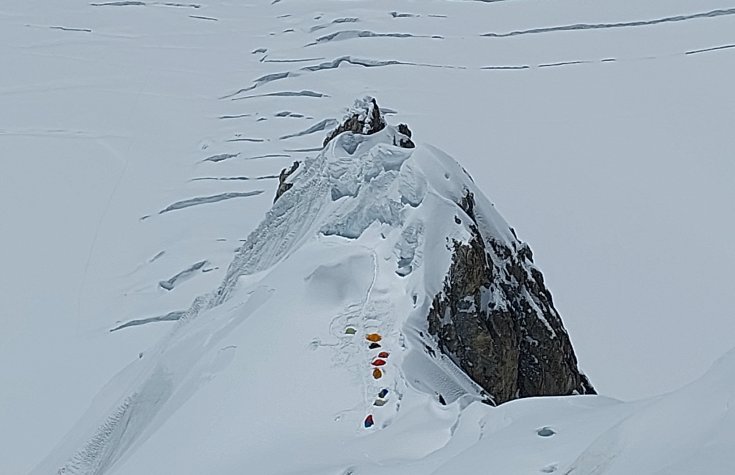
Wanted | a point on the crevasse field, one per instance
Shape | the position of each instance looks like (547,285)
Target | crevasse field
(140,144)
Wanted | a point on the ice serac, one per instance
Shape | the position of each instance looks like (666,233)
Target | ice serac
(363,118)
(496,319)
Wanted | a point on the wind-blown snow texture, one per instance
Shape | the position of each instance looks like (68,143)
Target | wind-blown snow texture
(605,133)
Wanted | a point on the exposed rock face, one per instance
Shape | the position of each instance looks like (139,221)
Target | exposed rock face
(496,320)
(364,118)
(404,137)
(283,185)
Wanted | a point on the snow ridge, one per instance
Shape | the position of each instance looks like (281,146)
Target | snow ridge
(360,189)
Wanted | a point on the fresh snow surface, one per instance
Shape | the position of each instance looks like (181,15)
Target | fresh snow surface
(140,145)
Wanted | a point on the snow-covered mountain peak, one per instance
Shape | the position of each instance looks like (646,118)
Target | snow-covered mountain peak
(354,284)
(382,318)
(364,117)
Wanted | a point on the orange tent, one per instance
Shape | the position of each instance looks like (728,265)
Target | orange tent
(374,337)
(377,374)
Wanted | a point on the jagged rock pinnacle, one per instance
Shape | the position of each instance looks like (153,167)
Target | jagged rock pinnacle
(363,118)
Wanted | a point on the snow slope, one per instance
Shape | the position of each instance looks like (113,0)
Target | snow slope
(273,371)
(683,432)
(330,255)
(112,112)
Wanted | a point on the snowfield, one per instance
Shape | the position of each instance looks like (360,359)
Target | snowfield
(161,317)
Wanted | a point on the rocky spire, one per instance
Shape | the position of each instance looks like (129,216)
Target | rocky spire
(363,118)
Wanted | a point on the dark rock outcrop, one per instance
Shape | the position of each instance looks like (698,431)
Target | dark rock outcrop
(404,137)
(283,185)
(364,118)
(496,320)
